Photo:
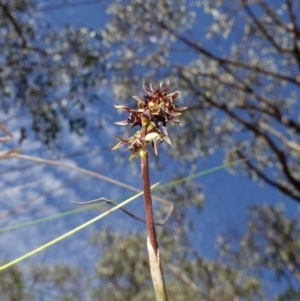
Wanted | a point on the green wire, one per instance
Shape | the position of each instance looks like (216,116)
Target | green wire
(199,174)
(47,218)
(5,266)
(82,226)
(172,183)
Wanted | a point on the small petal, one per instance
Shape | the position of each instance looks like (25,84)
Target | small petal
(171,95)
(143,153)
(146,89)
(174,120)
(180,108)
(135,123)
(166,87)
(166,138)
(165,130)
(122,108)
(118,145)
(132,156)
(151,127)
(137,98)
(151,88)
(124,122)
(137,134)
(173,114)
(144,86)
(119,107)
(122,139)
(152,136)
(155,146)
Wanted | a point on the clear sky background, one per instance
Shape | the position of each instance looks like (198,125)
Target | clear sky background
(227,196)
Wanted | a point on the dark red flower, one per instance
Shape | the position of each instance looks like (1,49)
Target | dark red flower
(154,111)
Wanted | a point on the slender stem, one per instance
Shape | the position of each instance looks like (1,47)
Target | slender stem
(148,202)
(152,245)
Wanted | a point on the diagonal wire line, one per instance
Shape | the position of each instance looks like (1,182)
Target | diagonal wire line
(47,218)
(202,173)
(82,226)
(71,212)
(92,206)
(15,153)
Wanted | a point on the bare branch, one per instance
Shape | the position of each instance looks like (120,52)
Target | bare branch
(102,199)
(224,62)
(7,132)
(15,154)
(292,15)
(272,14)
(281,156)
(185,279)
(296,31)
(267,179)
(263,29)
(68,5)
(290,144)
(15,24)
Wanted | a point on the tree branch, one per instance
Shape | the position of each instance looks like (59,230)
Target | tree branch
(263,29)
(223,61)
(281,156)
(271,182)
(15,24)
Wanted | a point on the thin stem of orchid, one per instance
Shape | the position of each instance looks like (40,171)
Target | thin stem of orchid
(152,245)
(147,196)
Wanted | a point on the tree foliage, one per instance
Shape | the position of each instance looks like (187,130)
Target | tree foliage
(45,69)
(261,263)
(239,70)
(237,63)
(12,284)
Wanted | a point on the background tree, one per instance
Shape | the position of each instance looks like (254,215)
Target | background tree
(260,263)
(240,74)
(12,284)
(238,68)
(47,72)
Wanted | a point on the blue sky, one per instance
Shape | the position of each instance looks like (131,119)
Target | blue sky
(226,196)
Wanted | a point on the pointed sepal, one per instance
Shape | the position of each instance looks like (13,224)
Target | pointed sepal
(124,122)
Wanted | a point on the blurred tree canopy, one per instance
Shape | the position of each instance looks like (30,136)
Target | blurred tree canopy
(45,70)
(263,263)
(238,65)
